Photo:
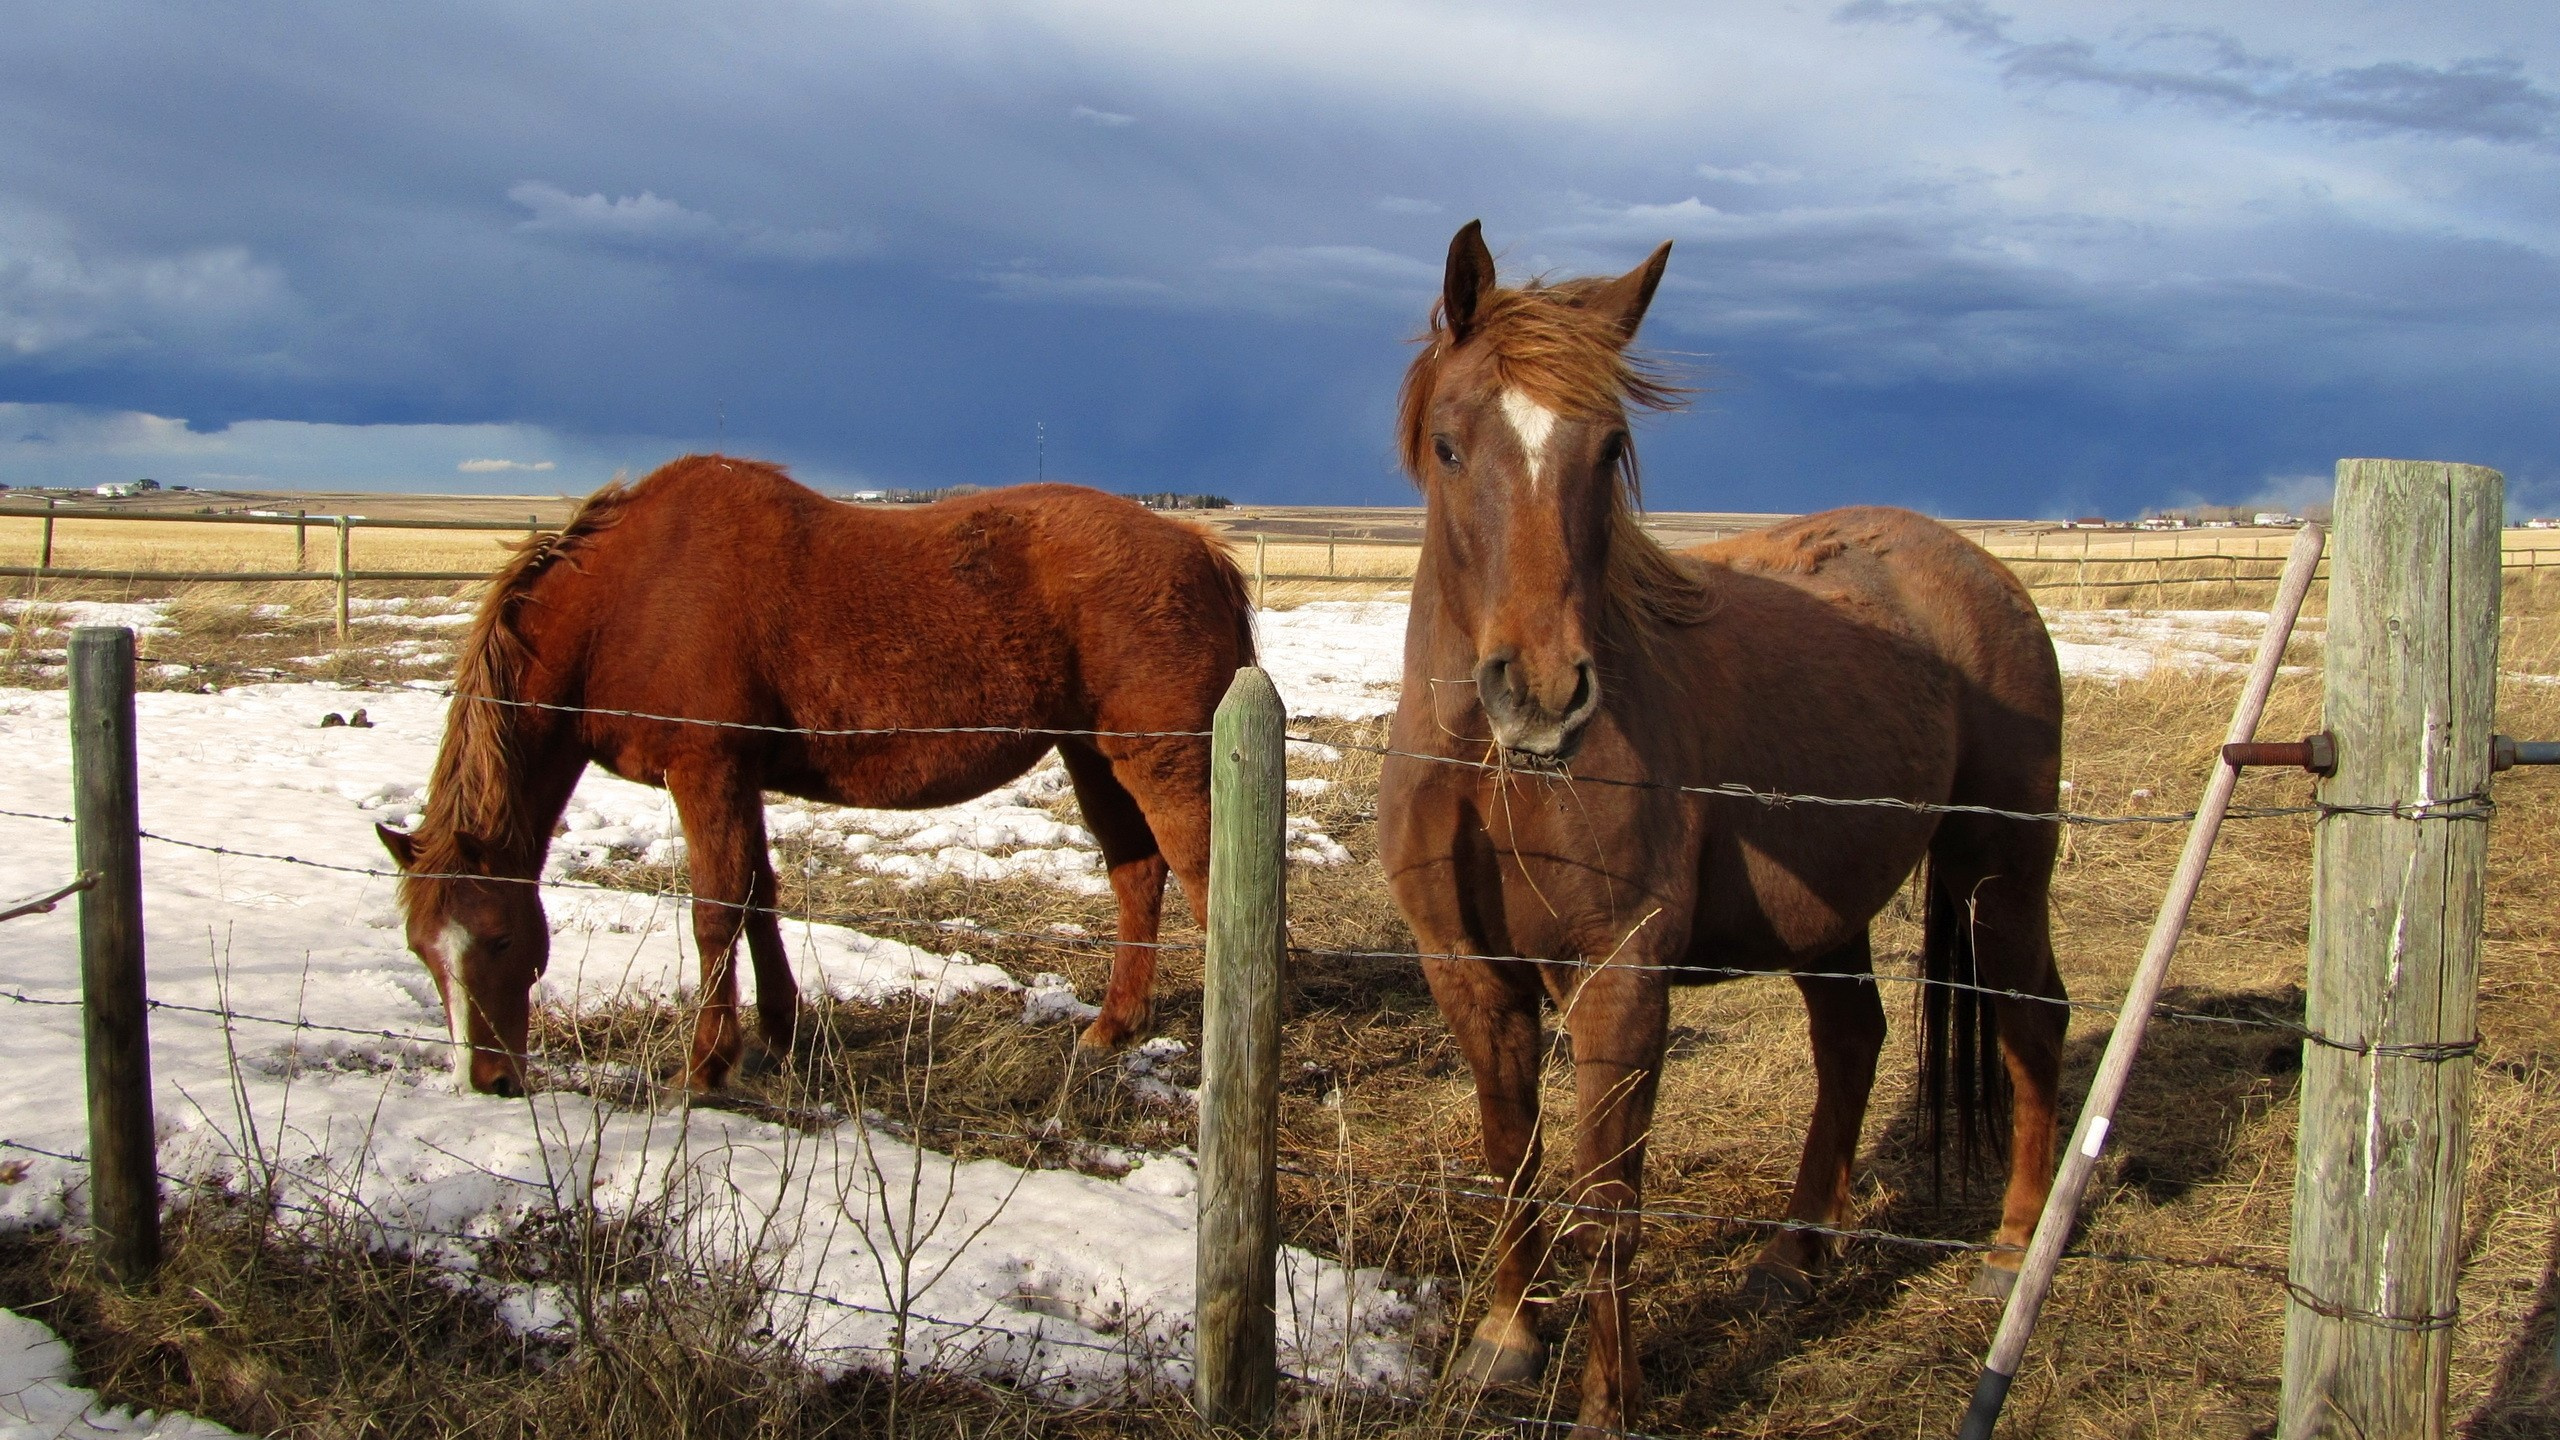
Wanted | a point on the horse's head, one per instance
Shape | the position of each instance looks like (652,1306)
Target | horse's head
(485,940)
(1514,422)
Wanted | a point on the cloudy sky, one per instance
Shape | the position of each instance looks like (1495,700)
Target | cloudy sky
(2016,259)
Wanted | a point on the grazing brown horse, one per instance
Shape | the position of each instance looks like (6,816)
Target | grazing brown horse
(718,589)
(1858,653)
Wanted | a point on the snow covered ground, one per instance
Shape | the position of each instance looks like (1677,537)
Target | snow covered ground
(1062,1278)
(40,1398)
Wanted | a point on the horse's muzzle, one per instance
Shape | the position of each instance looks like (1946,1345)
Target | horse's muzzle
(1541,720)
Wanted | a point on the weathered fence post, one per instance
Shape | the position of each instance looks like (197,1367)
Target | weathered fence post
(124,1177)
(1261,570)
(45,560)
(2395,948)
(342,579)
(301,540)
(1235,1366)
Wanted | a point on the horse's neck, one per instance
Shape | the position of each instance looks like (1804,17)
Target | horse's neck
(544,772)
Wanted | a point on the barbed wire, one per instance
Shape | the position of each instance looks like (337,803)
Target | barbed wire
(946,928)
(1728,790)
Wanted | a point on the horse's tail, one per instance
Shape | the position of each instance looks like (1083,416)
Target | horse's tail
(1959,1035)
(469,788)
(1235,591)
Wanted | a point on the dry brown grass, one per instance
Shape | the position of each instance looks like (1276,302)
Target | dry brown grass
(1378,1117)
(216,635)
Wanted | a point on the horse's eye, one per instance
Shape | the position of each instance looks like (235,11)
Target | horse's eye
(1613,449)
(497,944)
(1448,453)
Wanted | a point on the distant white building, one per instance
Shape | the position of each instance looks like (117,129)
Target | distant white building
(2542,522)
(870,497)
(2274,519)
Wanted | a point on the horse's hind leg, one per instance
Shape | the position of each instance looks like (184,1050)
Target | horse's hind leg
(1138,871)
(1846,1018)
(723,814)
(1998,876)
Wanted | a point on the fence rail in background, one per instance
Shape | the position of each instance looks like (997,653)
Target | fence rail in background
(2015,546)
(341,575)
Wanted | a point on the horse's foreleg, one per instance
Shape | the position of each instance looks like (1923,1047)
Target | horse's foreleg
(1846,1018)
(1618,1019)
(1493,1012)
(724,843)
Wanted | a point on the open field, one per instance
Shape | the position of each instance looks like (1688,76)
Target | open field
(258,1328)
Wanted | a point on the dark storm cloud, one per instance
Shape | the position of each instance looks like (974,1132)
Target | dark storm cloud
(887,241)
(2483,98)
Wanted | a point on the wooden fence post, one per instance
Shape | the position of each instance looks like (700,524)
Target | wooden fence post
(1261,543)
(1236,1366)
(124,1177)
(342,579)
(45,560)
(2395,948)
(301,540)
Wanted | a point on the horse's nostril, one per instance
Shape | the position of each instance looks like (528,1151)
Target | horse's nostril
(506,1088)
(1581,700)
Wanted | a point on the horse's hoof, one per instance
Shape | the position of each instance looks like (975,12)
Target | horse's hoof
(1485,1363)
(1101,1040)
(1994,1281)
(1768,1287)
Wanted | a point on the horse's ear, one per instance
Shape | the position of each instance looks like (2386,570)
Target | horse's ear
(473,850)
(1625,298)
(1470,276)
(402,845)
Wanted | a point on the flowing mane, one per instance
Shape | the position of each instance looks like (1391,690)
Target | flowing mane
(1548,346)
(467,790)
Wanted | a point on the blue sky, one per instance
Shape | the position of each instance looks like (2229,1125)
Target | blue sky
(2029,259)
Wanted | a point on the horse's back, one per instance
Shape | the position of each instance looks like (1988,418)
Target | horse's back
(1902,571)
(724,589)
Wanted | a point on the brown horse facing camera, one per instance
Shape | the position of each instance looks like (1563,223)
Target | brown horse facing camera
(719,590)
(1857,653)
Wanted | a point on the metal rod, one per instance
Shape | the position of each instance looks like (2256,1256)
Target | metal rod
(2080,1161)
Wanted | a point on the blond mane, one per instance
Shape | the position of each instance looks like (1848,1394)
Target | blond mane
(467,790)
(1548,346)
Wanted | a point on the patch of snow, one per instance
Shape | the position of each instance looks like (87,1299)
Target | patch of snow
(1051,997)
(40,1398)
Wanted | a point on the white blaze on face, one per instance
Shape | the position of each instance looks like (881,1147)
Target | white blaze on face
(1534,424)
(453,946)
